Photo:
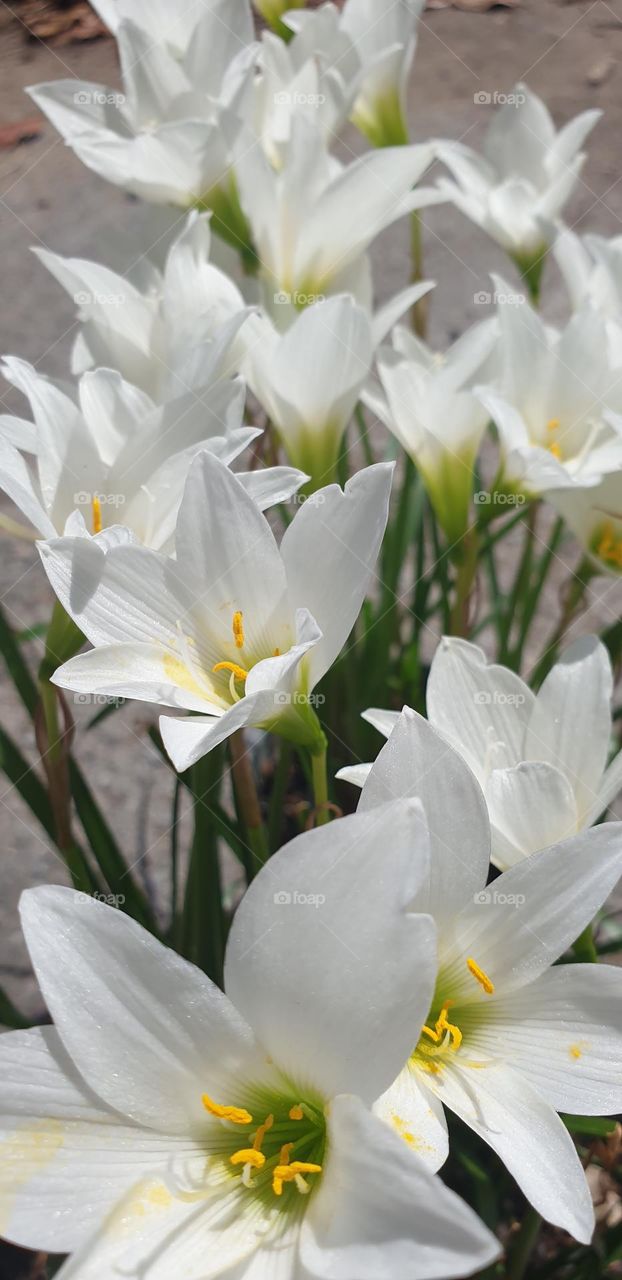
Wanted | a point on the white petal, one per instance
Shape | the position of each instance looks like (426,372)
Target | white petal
(417,1117)
(380,1213)
(66,1158)
(418,761)
(481,708)
(564,1034)
(149,1032)
(334,989)
(531,807)
(523,922)
(189,739)
(528,1135)
(608,790)
(268,486)
(16,481)
(357,774)
(144,671)
(570,724)
(383,721)
(330,550)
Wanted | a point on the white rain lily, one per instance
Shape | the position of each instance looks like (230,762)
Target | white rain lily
(543,778)
(312,220)
(551,400)
(170,135)
(592,271)
(595,517)
(509,1040)
(523,178)
(161,1127)
(236,628)
(316,74)
(115,458)
(384,37)
(164,330)
(425,399)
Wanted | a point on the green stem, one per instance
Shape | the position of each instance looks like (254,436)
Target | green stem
(574,596)
(420,309)
(203,918)
(533,596)
(247,803)
(521,582)
(465,580)
(53,743)
(524,1245)
(368,452)
(320,786)
(279,791)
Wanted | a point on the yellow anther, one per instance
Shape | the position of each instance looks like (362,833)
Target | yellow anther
(443,1025)
(262,1131)
(238,629)
(290,1173)
(97,515)
(277,653)
(480,976)
(555,450)
(296,1113)
(237,1115)
(238,672)
(248,1155)
(553,424)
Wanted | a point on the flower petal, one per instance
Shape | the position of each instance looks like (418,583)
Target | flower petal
(531,806)
(534,1144)
(149,1032)
(66,1158)
(417,1117)
(330,550)
(142,671)
(418,761)
(333,989)
(380,1212)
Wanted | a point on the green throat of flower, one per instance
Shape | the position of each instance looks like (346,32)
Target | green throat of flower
(442,1035)
(276,1152)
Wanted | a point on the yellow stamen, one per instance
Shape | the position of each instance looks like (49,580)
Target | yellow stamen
(609,546)
(238,629)
(555,450)
(290,1173)
(248,1155)
(284,1152)
(97,515)
(262,1131)
(237,1115)
(442,1027)
(480,976)
(277,653)
(553,424)
(296,1113)
(238,672)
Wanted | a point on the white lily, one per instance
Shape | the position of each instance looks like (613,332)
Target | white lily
(508,1040)
(385,38)
(112,457)
(524,177)
(316,74)
(309,379)
(425,399)
(313,221)
(163,331)
(236,628)
(543,781)
(169,136)
(551,400)
(161,1127)
(595,517)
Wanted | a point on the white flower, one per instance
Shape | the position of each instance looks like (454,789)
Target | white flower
(592,270)
(384,37)
(595,517)
(116,457)
(524,177)
(236,628)
(540,759)
(163,332)
(426,401)
(169,137)
(551,400)
(162,1128)
(312,221)
(273,10)
(508,1040)
(310,378)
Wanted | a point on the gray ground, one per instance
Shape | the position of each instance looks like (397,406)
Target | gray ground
(569,52)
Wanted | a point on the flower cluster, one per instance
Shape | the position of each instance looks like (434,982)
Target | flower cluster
(258,1087)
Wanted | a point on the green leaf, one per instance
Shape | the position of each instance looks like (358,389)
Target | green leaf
(590,1126)
(9,1015)
(16,666)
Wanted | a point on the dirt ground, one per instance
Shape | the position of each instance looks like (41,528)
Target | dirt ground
(570,53)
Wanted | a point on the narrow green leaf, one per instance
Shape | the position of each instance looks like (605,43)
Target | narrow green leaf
(590,1126)
(107,853)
